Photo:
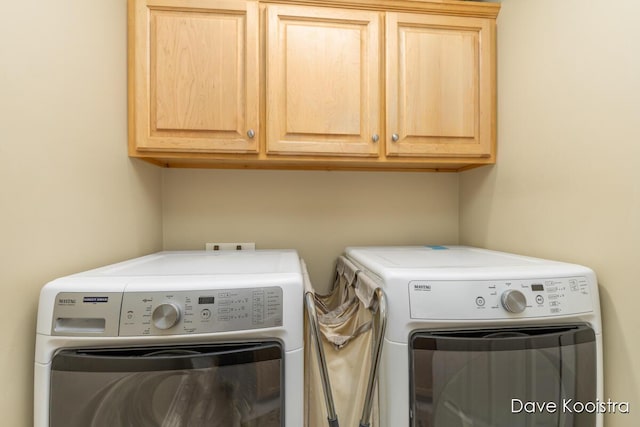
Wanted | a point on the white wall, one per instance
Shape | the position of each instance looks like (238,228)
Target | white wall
(567,185)
(70,199)
(318,213)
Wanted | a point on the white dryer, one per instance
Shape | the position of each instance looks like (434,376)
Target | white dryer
(173,339)
(478,338)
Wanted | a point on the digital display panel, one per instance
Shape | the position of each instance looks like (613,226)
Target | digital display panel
(537,287)
(206,300)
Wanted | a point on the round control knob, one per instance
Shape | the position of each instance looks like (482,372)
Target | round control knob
(166,315)
(513,301)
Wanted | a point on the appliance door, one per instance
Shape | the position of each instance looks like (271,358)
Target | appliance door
(224,385)
(524,377)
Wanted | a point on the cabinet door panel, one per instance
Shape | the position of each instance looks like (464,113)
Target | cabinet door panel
(438,82)
(439,95)
(196,78)
(322,81)
(196,91)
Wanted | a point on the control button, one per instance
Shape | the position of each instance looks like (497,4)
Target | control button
(480,302)
(539,299)
(513,301)
(166,315)
(574,285)
(205,314)
(129,315)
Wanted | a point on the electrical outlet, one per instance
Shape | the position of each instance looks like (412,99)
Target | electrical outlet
(216,246)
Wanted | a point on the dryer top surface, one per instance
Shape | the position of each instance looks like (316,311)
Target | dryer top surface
(453,262)
(456,286)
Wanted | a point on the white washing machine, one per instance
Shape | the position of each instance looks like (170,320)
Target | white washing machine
(486,339)
(173,339)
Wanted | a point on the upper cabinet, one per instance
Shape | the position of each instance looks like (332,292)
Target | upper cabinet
(322,81)
(309,84)
(439,86)
(194,79)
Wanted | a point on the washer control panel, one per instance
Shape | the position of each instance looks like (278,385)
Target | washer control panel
(200,312)
(499,299)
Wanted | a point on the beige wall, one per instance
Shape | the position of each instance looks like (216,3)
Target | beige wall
(567,184)
(318,213)
(70,199)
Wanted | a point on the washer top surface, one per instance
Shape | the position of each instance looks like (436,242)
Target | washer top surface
(197,292)
(203,263)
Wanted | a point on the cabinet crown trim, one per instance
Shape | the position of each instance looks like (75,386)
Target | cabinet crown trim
(444,7)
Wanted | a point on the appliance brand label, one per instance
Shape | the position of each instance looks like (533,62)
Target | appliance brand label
(66,301)
(419,287)
(94,300)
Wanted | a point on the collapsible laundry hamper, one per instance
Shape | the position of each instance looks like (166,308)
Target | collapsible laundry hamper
(343,343)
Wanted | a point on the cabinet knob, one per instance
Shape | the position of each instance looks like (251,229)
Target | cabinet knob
(375,137)
(251,133)
(395,137)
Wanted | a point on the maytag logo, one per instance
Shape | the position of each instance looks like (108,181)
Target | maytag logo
(94,300)
(66,301)
(422,287)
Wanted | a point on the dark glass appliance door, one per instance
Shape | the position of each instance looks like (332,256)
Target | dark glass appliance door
(232,385)
(503,377)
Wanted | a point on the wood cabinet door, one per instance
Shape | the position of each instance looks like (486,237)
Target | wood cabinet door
(195,75)
(323,81)
(440,97)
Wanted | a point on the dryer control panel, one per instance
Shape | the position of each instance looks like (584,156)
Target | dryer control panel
(499,299)
(200,312)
